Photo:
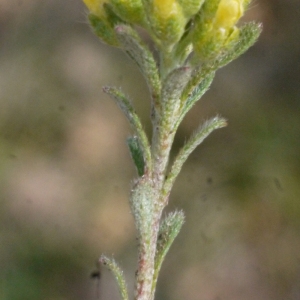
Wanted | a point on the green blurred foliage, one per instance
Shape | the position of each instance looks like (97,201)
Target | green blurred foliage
(65,172)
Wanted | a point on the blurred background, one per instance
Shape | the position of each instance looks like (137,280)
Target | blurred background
(65,172)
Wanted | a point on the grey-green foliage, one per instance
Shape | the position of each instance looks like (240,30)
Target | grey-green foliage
(177,77)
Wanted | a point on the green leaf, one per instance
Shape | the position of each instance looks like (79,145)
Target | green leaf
(171,92)
(168,230)
(136,154)
(195,140)
(135,123)
(103,30)
(141,55)
(196,94)
(198,75)
(248,35)
(118,274)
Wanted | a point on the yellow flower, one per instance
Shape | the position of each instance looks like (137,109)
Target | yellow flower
(228,13)
(95,6)
(165,8)
(167,20)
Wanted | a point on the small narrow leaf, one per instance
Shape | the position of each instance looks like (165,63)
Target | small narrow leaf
(200,74)
(171,92)
(168,230)
(136,154)
(141,55)
(248,35)
(196,95)
(175,83)
(134,121)
(118,274)
(196,139)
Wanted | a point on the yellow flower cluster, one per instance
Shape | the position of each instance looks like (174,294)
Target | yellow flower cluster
(213,21)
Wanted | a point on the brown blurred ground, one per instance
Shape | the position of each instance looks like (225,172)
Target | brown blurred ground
(65,171)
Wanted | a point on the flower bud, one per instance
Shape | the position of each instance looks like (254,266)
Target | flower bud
(228,13)
(167,20)
(132,11)
(212,35)
(102,20)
